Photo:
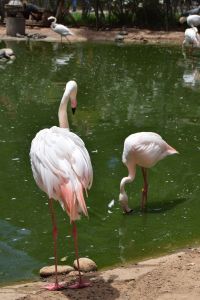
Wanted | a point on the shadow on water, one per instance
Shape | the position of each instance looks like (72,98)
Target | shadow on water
(162,206)
(158,207)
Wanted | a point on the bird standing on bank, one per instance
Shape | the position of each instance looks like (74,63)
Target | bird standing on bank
(144,149)
(60,29)
(62,169)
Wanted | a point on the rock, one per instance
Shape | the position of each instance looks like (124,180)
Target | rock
(50,270)
(190,264)
(74,273)
(86,264)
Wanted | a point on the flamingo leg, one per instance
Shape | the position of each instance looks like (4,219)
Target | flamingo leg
(80,283)
(144,189)
(54,286)
(67,39)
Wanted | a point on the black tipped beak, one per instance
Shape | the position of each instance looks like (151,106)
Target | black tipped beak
(73,110)
(128,212)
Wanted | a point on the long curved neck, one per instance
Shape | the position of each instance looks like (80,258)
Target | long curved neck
(62,112)
(124,181)
(53,23)
(123,198)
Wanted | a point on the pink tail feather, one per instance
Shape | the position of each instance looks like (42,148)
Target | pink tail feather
(171,150)
(73,200)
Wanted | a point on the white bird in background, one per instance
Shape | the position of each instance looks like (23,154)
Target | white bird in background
(62,168)
(192,20)
(60,29)
(191,37)
(144,149)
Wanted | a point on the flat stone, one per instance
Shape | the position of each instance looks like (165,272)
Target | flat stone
(50,270)
(86,264)
(75,273)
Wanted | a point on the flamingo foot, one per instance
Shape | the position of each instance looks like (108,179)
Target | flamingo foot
(55,286)
(80,284)
(128,212)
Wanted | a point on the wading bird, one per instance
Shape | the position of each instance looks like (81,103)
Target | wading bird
(62,169)
(60,29)
(144,149)
(192,38)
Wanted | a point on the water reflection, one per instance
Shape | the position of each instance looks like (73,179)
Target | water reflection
(191,75)
(63,59)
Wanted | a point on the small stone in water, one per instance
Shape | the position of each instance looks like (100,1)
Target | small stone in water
(86,264)
(50,270)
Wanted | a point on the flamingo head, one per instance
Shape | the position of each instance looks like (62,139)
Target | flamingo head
(73,92)
(73,105)
(53,19)
(182,20)
(123,199)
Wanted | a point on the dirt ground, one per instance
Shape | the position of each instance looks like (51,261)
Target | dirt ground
(84,34)
(172,277)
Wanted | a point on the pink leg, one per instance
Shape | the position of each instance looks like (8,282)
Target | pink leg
(54,286)
(80,283)
(145,188)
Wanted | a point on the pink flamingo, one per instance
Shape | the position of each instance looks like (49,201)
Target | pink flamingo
(62,169)
(144,149)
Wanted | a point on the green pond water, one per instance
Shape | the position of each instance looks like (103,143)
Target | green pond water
(121,90)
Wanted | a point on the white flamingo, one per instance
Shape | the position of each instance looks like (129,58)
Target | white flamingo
(60,29)
(191,37)
(62,169)
(144,149)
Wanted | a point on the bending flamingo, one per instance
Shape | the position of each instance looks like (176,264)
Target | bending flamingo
(144,149)
(62,168)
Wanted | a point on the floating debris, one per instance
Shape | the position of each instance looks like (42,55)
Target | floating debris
(111,204)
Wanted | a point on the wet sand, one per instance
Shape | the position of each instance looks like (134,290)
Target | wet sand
(171,277)
(84,34)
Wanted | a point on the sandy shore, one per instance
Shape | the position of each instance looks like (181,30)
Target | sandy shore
(84,34)
(171,277)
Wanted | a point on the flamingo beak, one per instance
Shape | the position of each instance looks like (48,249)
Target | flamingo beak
(73,105)
(73,110)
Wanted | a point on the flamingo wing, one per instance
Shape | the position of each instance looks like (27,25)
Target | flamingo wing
(62,168)
(63,30)
(144,149)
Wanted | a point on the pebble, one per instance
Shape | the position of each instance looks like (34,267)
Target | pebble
(86,264)
(50,270)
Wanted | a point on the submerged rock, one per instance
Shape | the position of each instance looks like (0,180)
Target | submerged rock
(50,270)
(86,264)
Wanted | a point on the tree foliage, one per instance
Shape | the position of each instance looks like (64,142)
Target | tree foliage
(158,14)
